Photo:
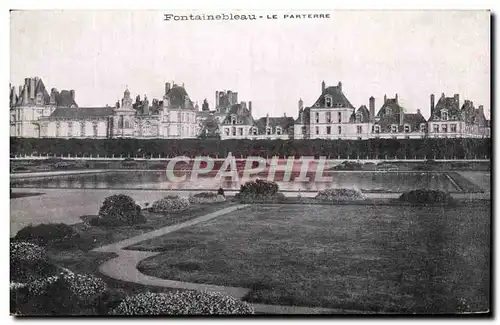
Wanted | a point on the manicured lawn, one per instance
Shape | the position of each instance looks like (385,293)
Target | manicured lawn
(377,258)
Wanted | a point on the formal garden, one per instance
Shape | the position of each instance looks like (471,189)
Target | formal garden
(422,252)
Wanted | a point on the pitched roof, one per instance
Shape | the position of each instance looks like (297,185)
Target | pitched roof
(64,98)
(451,104)
(242,114)
(337,96)
(305,114)
(284,122)
(177,95)
(81,112)
(365,115)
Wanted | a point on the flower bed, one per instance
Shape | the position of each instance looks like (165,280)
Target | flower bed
(259,191)
(339,194)
(181,303)
(206,197)
(426,196)
(171,203)
(27,253)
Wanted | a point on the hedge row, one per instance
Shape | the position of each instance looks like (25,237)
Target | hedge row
(374,148)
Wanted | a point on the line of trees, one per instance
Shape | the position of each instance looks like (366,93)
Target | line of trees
(429,148)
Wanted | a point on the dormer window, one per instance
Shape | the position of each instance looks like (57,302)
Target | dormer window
(407,128)
(423,127)
(39,99)
(394,128)
(268,131)
(254,130)
(376,128)
(388,111)
(328,101)
(358,118)
(233,119)
(444,115)
(234,131)
(278,130)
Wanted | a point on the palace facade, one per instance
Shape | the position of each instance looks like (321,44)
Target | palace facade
(34,112)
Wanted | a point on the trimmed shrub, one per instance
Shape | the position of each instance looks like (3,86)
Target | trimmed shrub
(171,203)
(259,188)
(221,192)
(120,210)
(206,197)
(47,234)
(181,303)
(340,194)
(426,196)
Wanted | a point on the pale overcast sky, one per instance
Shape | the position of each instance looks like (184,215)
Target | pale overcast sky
(273,63)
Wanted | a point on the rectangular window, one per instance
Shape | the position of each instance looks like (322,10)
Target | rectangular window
(436,128)
(376,128)
(359,129)
(317,117)
(423,127)
(304,130)
(339,117)
(453,128)
(340,130)
(278,131)
(444,128)
(328,130)
(241,131)
(407,128)
(94,129)
(268,131)
(394,128)
(226,130)
(70,129)
(328,117)
(317,130)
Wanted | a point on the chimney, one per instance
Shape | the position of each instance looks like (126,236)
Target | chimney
(20,91)
(442,95)
(418,111)
(267,120)
(72,92)
(12,95)
(385,99)
(401,116)
(250,107)
(216,99)
(244,105)
(32,88)
(323,86)
(301,104)
(235,97)
(145,105)
(339,86)
(432,105)
(481,110)
(396,98)
(167,87)
(25,93)
(372,108)
(456,98)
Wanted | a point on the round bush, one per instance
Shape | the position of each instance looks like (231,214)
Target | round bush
(206,197)
(172,203)
(27,253)
(259,188)
(339,194)
(120,210)
(181,303)
(426,196)
(47,234)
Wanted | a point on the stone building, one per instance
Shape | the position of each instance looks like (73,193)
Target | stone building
(332,116)
(35,113)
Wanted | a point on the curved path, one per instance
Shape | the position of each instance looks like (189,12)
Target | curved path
(124,267)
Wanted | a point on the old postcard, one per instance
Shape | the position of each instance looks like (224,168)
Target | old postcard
(250,162)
